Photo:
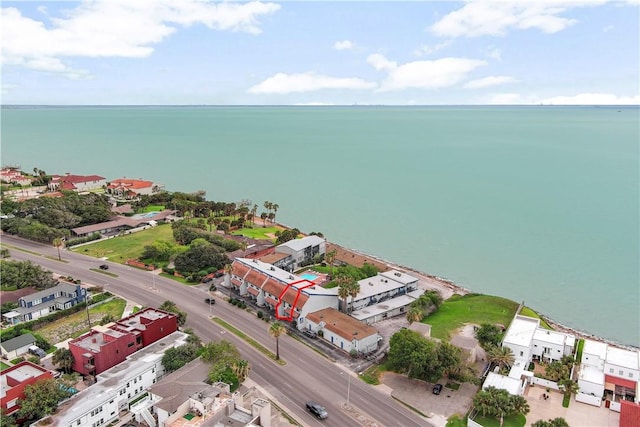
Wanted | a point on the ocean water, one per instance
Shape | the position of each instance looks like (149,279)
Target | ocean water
(536,204)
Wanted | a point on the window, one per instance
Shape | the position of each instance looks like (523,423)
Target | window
(130,344)
(611,370)
(522,353)
(630,374)
(12,403)
(621,372)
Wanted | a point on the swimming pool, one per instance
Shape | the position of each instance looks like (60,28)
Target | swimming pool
(309,276)
(151,214)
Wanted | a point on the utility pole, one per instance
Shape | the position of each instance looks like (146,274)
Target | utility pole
(86,302)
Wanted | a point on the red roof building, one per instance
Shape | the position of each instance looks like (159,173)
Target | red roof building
(126,188)
(14,381)
(97,351)
(77,183)
(629,414)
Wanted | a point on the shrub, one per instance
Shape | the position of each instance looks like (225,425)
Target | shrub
(260,315)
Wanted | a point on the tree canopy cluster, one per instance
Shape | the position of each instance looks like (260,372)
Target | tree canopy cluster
(24,274)
(499,403)
(46,218)
(421,358)
(171,307)
(426,304)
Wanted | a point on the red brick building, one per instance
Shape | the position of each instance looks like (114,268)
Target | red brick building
(95,351)
(15,379)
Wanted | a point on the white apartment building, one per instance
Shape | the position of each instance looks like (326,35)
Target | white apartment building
(116,388)
(608,373)
(300,251)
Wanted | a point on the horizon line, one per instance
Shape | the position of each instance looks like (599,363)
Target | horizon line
(319,105)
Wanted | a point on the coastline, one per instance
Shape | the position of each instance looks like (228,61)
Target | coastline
(448,288)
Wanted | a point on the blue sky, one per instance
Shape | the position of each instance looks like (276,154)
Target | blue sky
(321,53)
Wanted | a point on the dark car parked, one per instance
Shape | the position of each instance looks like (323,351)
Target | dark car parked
(104,267)
(210,300)
(318,410)
(437,388)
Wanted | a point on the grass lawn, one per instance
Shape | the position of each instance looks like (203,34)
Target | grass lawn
(151,208)
(258,232)
(3,366)
(76,324)
(526,311)
(510,421)
(471,308)
(121,248)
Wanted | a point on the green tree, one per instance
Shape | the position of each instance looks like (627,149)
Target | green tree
(330,257)
(275,330)
(501,356)
(57,242)
(415,314)
(499,403)
(220,352)
(489,335)
(568,386)
(171,307)
(556,422)
(354,290)
(41,398)
(556,371)
(7,420)
(63,358)
(176,357)
(343,290)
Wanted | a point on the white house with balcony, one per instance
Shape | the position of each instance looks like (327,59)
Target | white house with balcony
(608,373)
(300,251)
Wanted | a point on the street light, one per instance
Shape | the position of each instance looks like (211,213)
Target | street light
(348,387)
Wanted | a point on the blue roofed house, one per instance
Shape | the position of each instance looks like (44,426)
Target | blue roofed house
(42,303)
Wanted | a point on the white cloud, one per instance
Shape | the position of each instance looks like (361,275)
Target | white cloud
(495,53)
(489,81)
(380,63)
(344,45)
(592,99)
(282,83)
(435,74)
(427,50)
(6,88)
(608,28)
(120,28)
(497,18)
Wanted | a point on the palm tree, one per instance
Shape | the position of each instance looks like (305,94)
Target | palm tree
(556,370)
(241,369)
(275,210)
(211,220)
(57,242)
(64,359)
(275,330)
(331,258)
(354,290)
(343,290)
(263,217)
(501,356)
(254,211)
(568,386)
(228,269)
(415,314)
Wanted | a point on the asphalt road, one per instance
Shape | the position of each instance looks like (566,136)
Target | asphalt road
(306,375)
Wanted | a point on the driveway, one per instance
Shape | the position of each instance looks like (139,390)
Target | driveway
(418,394)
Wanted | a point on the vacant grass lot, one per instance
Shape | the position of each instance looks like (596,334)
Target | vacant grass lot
(258,232)
(76,324)
(121,248)
(4,366)
(470,308)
